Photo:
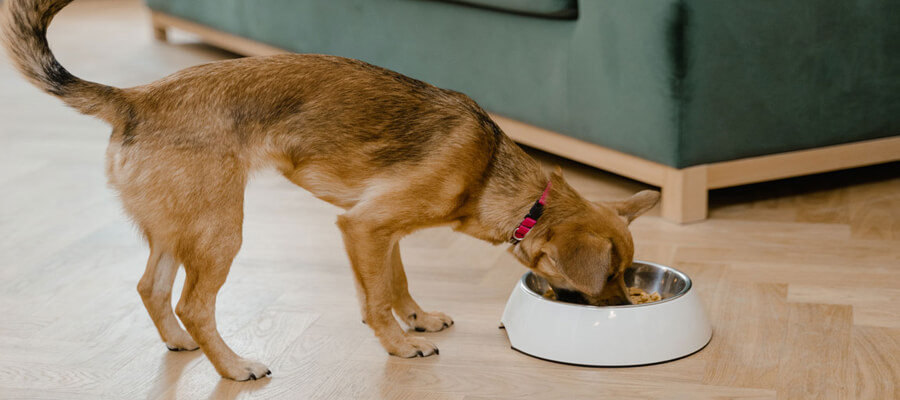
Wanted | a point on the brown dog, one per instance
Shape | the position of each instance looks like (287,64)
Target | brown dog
(397,154)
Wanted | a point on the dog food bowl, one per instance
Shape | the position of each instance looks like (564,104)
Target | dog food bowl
(674,327)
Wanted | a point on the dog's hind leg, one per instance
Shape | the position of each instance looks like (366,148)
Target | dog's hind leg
(155,288)
(207,255)
(407,308)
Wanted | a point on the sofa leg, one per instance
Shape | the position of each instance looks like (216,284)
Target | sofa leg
(159,28)
(159,33)
(684,195)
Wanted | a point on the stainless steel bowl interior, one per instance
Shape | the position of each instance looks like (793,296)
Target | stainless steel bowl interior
(670,283)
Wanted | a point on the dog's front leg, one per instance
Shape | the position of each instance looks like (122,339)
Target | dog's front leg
(407,308)
(369,249)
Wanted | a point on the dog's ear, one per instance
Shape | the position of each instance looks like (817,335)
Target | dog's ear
(557,172)
(584,262)
(636,205)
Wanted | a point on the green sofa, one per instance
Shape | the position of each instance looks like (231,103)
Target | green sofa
(667,84)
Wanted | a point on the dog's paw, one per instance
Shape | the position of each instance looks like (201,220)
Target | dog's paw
(412,346)
(182,342)
(246,370)
(429,321)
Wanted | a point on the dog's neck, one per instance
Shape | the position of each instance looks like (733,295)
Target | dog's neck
(513,182)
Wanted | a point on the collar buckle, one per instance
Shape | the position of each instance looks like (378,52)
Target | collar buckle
(531,219)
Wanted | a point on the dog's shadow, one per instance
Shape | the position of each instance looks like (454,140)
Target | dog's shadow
(172,369)
(229,390)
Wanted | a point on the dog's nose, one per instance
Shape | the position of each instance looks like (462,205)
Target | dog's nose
(570,296)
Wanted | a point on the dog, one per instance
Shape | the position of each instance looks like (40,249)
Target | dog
(397,154)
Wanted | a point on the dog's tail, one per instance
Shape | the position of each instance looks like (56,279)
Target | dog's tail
(25,25)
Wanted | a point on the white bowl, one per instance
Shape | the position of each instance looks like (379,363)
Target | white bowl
(650,333)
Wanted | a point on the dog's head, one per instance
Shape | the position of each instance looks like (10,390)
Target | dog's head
(588,249)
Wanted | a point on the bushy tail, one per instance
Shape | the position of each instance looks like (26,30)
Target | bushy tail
(25,25)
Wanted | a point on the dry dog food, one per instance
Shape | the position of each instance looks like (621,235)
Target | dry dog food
(636,295)
(639,296)
(549,294)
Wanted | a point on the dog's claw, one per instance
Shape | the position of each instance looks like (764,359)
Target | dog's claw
(446,325)
(252,376)
(268,372)
(413,316)
(420,353)
(419,329)
(436,351)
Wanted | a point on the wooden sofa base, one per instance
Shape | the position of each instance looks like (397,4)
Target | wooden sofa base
(684,191)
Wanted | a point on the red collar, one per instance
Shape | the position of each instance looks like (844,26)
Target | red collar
(536,210)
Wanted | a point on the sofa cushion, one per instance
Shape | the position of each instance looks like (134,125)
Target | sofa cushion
(563,9)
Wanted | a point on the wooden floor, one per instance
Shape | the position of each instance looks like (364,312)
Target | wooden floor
(801,278)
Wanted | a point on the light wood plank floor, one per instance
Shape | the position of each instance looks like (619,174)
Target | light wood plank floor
(801,278)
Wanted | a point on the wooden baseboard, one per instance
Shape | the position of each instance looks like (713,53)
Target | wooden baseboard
(803,162)
(227,41)
(684,190)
